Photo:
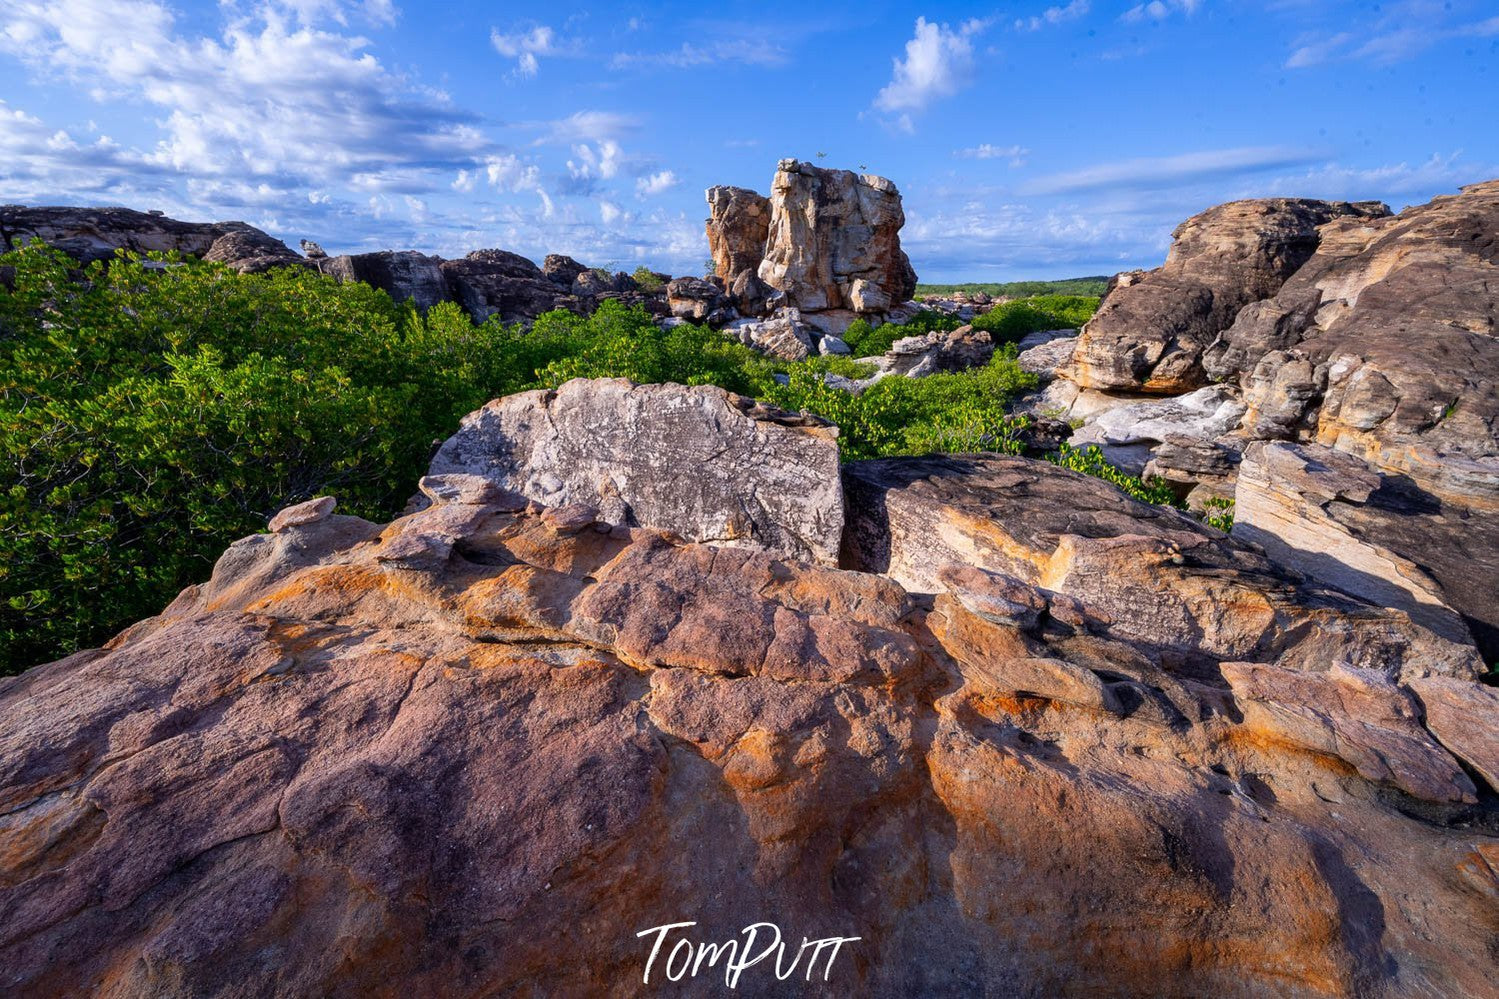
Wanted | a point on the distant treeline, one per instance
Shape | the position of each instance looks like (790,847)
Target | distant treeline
(1021,289)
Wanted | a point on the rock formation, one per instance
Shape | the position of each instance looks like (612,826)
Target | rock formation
(1095,749)
(89,234)
(826,243)
(1150,332)
(700,462)
(1340,328)
(404,275)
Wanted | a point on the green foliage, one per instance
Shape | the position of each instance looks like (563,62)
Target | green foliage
(1013,321)
(159,409)
(897,416)
(1094,286)
(647,279)
(1219,512)
(1090,461)
(865,340)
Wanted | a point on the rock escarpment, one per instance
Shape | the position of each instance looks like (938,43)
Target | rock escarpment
(1369,341)
(89,234)
(1150,333)
(1094,747)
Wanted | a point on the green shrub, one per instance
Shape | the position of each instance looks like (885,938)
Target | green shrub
(1094,286)
(1013,321)
(871,341)
(1219,512)
(647,279)
(1091,461)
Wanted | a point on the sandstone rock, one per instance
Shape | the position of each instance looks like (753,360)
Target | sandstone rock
(1046,353)
(1465,718)
(696,300)
(930,353)
(834,240)
(403,275)
(1128,433)
(782,335)
(312,250)
(1356,715)
(560,269)
(328,773)
(89,234)
(1143,574)
(1334,517)
(701,462)
(495,282)
(1150,334)
(738,223)
(302,514)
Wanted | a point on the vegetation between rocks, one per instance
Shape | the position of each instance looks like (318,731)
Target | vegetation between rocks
(1093,286)
(158,409)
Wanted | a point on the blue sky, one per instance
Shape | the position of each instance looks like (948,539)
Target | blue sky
(1029,139)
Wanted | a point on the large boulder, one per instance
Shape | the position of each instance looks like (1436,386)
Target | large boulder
(834,241)
(483,749)
(89,234)
(738,223)
(1150,332)
(701,462)
(500,283)
(404,274)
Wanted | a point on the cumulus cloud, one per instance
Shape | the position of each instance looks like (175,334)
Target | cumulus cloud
(1053,16)
(526,46)
(655,183)
(1159,10)
(938,63)
(986,151)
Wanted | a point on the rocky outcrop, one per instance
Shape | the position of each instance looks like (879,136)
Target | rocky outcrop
(1150,333)
(89,234)
(937,352)
(481,749)
(738,224)
(700,462)
(1130,433)
(496,282)
(405,275)
(834,241)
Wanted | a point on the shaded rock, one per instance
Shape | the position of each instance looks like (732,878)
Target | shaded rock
(696,300)
(495,282)
(1150,333)
(1464,716)
(701,462)
(1334,517)
(1143,574)
(89,234)
(560,269)
(1046,353)
(782,335)
(834,240)
(402,274)
(1356,715)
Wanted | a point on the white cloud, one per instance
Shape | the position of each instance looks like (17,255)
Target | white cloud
(747,51)
(655,183)
(1053,16)
(986,151)
(938,63)
(525,46)
(589,126)
(595,162)
(609,212)
(1165,170)
(1159,10)
(1403,31)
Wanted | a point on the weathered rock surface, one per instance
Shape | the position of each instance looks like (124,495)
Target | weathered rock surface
(1333,516)
(698,300)
(402,274)
(475,752)
(1143,574)
(497,282)
(834,241)
(738,224)
(936,352)
(782,335)
(1129,433)
(703,463)
(89,234)
(1149,334)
